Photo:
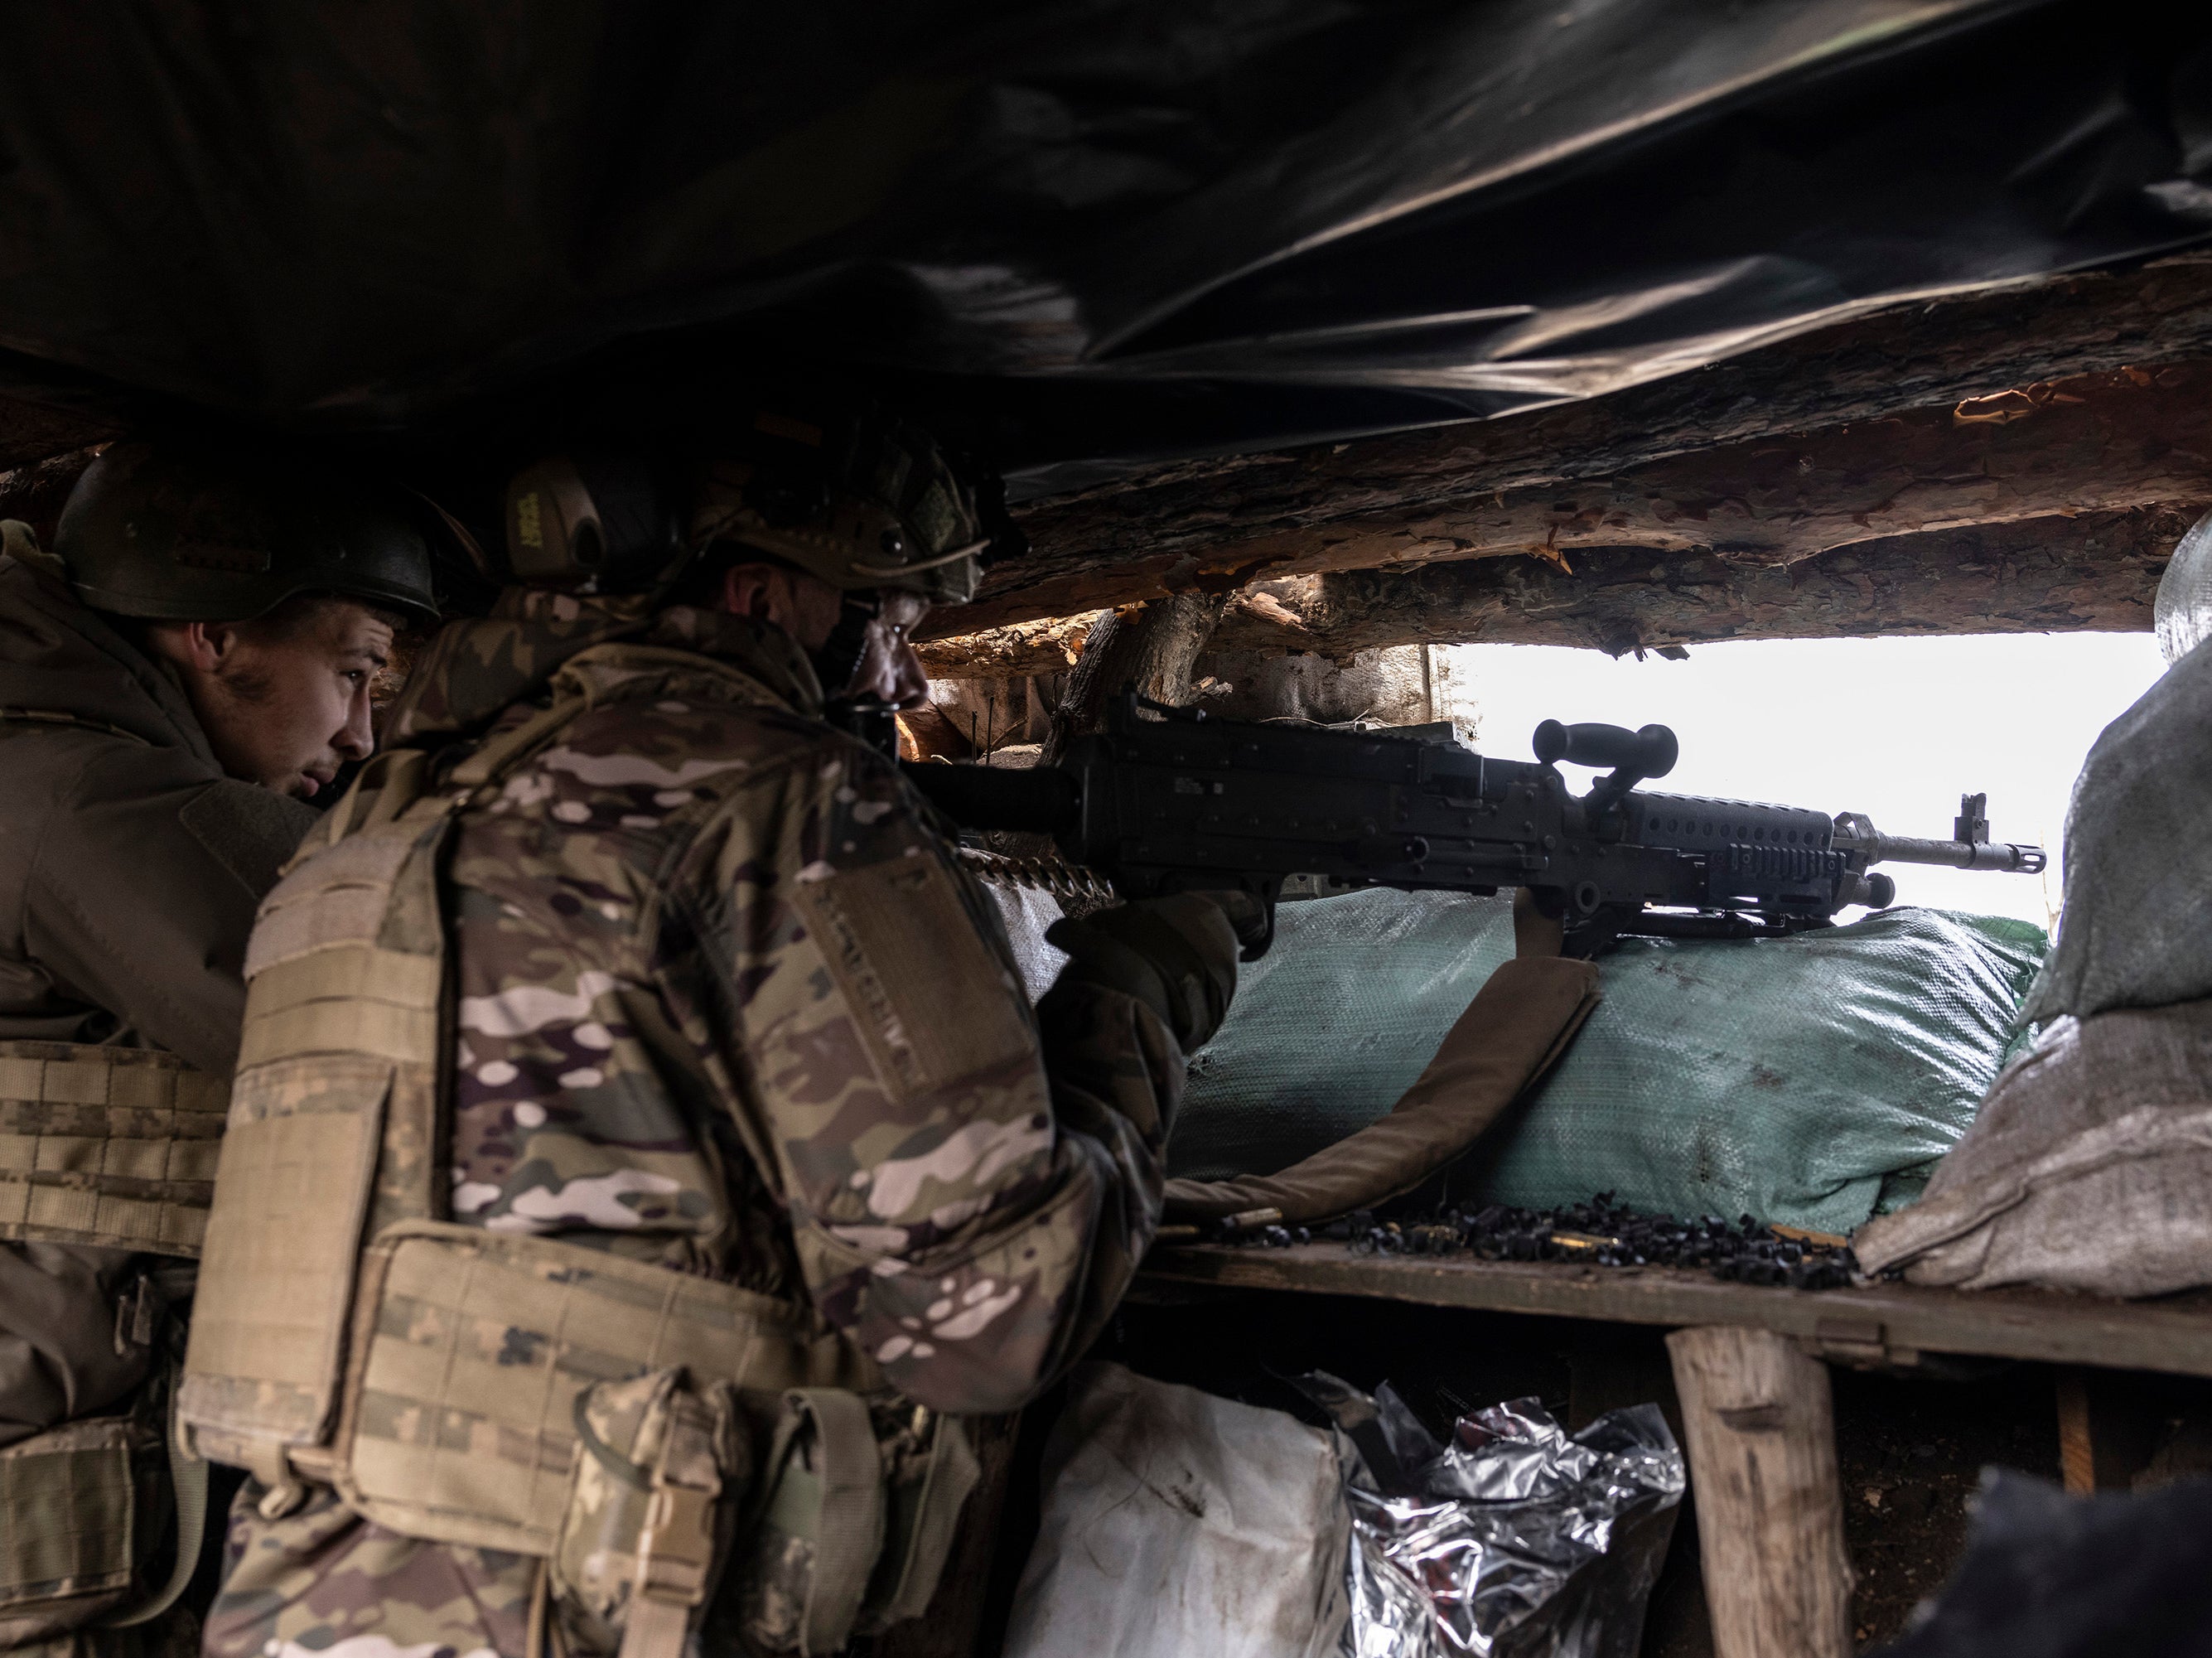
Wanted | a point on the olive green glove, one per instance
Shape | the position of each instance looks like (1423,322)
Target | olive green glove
(1175,955)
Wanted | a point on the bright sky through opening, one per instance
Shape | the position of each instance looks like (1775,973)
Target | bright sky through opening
(1896,728)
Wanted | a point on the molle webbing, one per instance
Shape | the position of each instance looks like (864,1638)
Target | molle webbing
(460,1407)
(111,1146)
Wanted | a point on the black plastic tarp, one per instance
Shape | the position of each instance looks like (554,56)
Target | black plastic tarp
(1108,230)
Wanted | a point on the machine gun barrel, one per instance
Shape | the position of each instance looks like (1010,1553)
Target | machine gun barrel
(1957,854)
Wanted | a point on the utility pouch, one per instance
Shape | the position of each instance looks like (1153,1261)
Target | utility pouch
(69,1512)
(662,1472)
(84,1508)
(856,1517)
(470,1348)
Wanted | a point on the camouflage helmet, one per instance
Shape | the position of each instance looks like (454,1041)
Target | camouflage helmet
(861,501)
(176,533)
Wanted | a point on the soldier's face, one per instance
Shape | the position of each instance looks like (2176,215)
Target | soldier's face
(890,670)
(808,609)
(284,706)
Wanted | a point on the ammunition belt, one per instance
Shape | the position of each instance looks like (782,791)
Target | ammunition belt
(1047,872)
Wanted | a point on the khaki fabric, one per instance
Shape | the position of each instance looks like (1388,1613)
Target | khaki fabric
(106,1146)
(2089,1168)
(1518,1024)
(899,940)
(438,1365)
(331,1133)
(642,1438)
(130,865)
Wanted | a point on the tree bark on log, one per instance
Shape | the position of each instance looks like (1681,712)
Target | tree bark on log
(2097,443)
(2095,571)
(1151,649)
(1145,537)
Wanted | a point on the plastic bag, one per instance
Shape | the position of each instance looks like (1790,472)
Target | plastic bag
(2138,861)
(2182,612)
(1811,1081)
(1513,1540)
(1175,1522)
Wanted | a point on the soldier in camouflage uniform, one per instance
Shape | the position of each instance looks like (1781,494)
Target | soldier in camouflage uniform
(723,1000)
(194,656)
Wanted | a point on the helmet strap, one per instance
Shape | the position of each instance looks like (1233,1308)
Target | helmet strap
(875,723)
(839,658)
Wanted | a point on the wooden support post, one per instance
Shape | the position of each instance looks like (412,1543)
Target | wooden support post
(2107,1430)
(1759,1428)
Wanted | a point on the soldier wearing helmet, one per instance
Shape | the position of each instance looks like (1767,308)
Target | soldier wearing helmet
(189,662)
(729,1168)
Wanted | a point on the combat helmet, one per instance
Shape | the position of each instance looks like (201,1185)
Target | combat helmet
(859,498)
(180,533)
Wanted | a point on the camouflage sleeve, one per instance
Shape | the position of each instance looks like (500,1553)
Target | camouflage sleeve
(967,1222)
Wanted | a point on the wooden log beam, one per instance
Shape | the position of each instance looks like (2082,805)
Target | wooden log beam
(1423,494)
(1150,649)
(2093,570)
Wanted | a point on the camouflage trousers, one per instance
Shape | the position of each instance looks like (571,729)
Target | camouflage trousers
(322,1582)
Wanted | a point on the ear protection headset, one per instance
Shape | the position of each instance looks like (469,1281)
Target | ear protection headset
(593,523)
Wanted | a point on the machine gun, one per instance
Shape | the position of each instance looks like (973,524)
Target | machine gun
(1183,802)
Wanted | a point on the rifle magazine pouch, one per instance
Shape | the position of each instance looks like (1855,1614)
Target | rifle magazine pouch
(1515,1030)
(661,1473)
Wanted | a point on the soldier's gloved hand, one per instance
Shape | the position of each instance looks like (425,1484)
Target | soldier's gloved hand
(1177,955)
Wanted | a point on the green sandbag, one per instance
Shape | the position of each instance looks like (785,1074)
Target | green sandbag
(1811,1081)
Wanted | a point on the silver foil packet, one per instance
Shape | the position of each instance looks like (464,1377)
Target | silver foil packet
(1513,1541)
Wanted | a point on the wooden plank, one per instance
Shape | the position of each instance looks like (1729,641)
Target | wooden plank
(1760,1430)
(1890,1322)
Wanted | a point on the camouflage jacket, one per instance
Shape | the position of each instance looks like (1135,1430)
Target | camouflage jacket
(726,1001)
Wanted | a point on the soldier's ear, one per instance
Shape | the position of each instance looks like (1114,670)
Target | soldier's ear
(214,643)
(746,591)
(201,647)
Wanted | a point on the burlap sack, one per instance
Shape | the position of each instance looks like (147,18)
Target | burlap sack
(2089,1168)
